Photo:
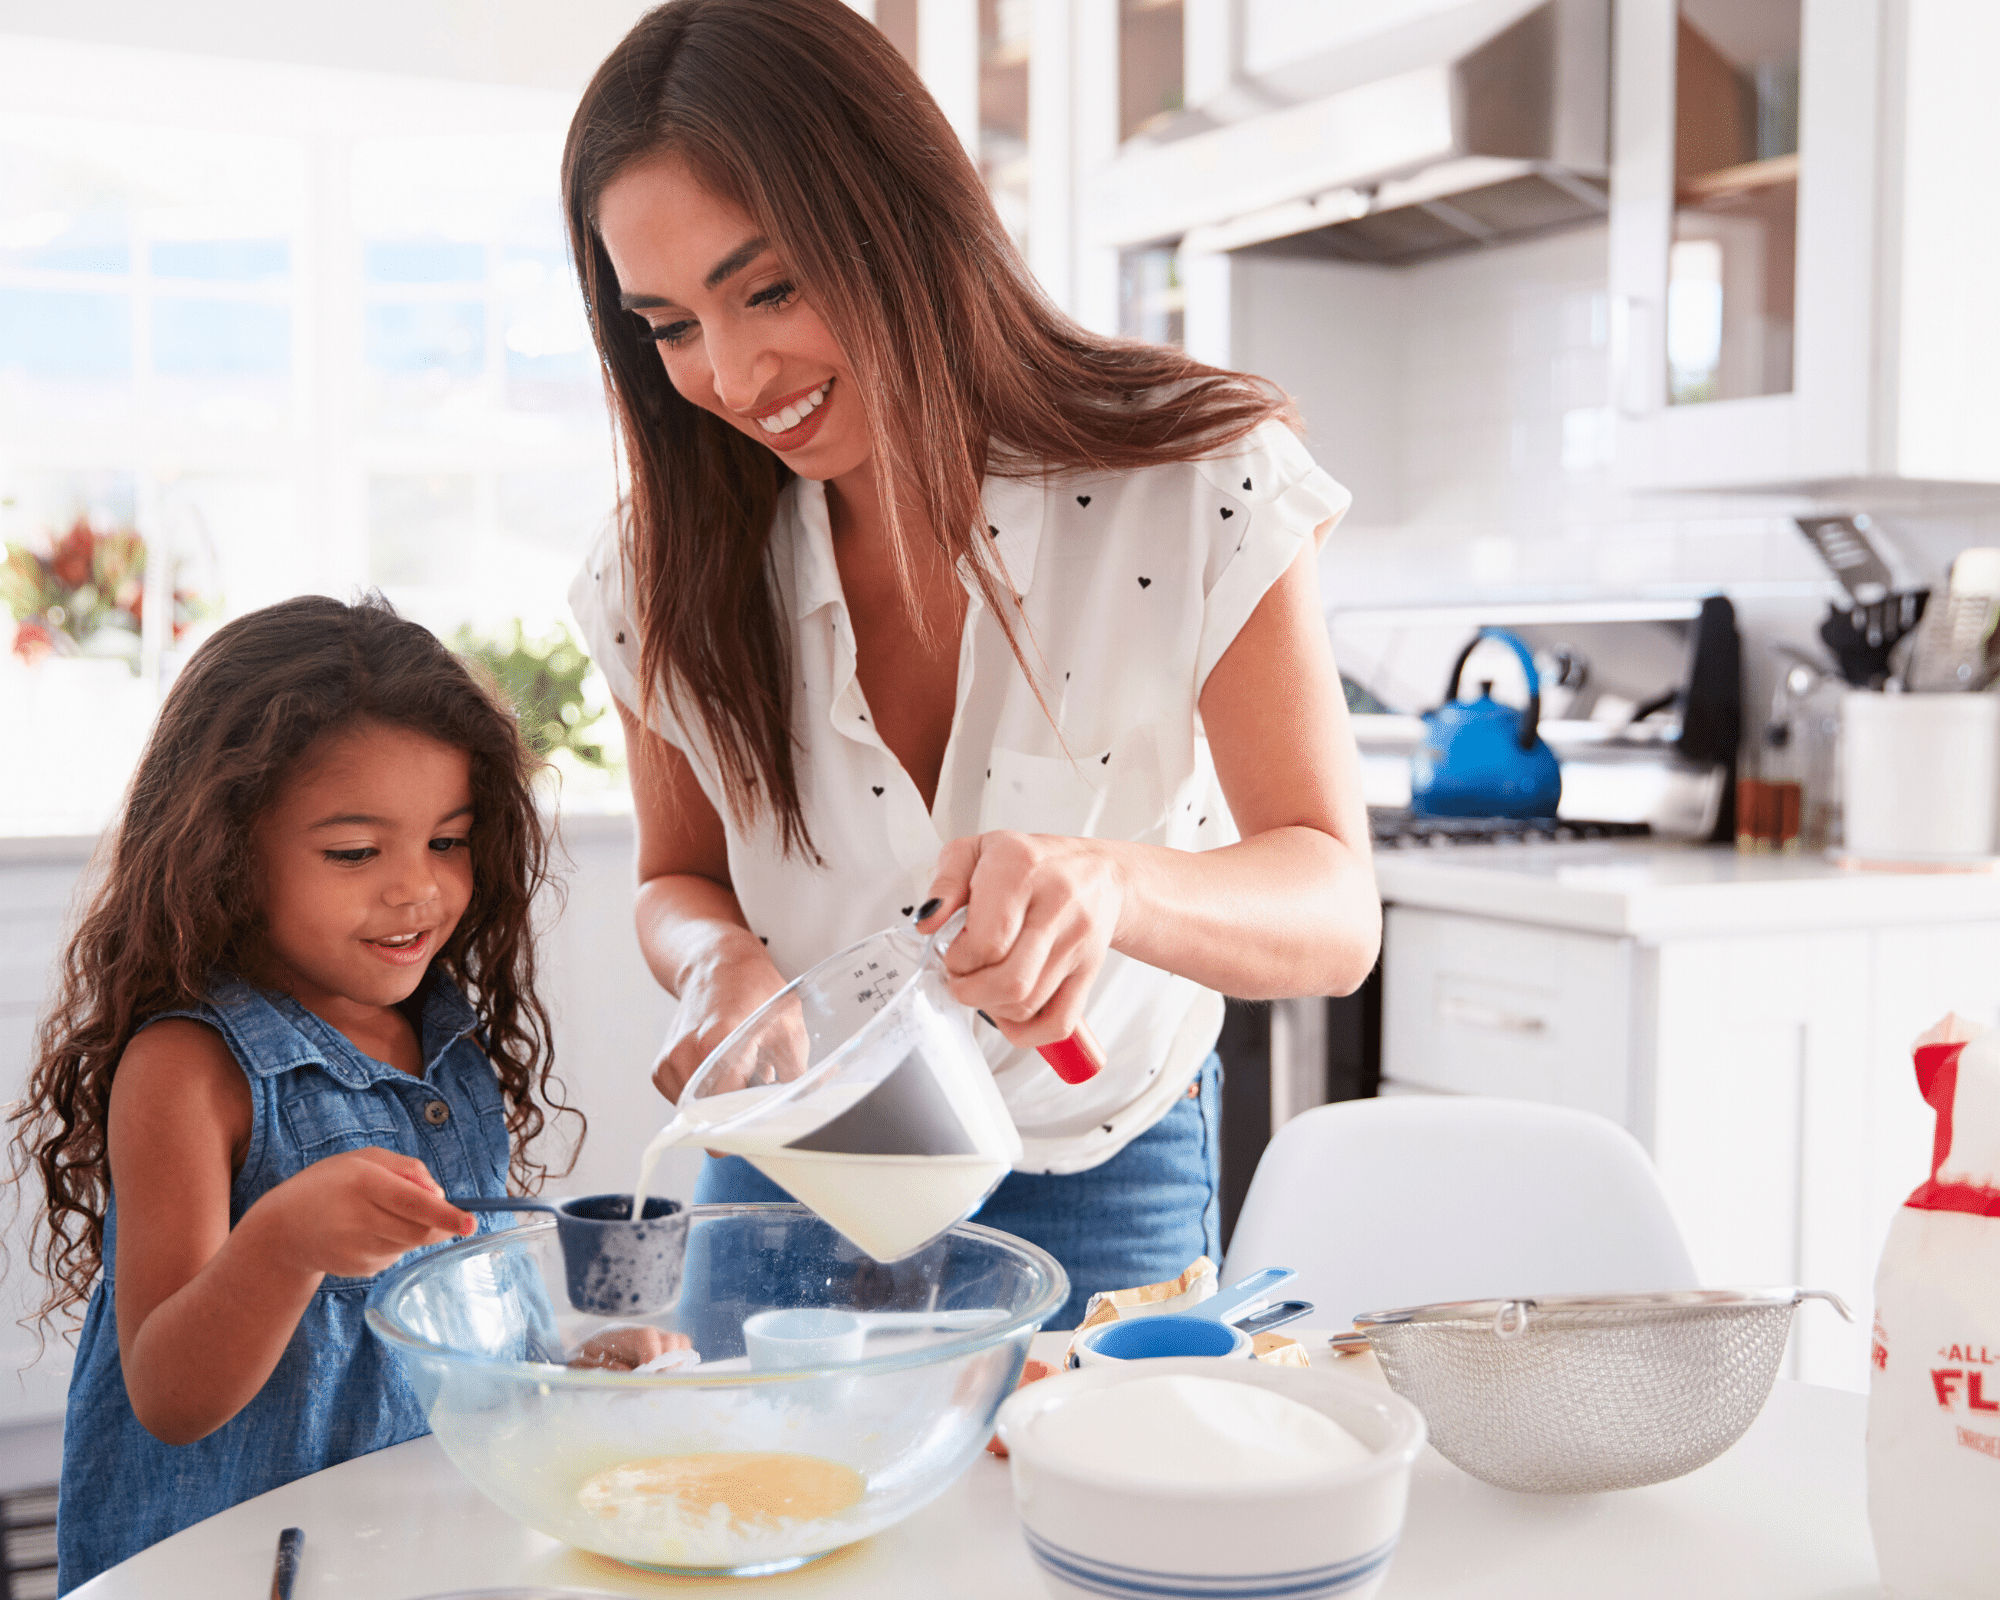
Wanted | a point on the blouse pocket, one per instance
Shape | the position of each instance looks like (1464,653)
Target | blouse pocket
(1115,793)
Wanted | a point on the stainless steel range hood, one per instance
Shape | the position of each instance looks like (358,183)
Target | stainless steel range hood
(1486,125)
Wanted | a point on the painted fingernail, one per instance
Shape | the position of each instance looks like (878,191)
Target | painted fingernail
(924,911)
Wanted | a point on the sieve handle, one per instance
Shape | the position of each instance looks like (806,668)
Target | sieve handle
(1828,1296)
(1511,1320)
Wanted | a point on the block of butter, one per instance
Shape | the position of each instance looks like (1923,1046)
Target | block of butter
(1276,1350)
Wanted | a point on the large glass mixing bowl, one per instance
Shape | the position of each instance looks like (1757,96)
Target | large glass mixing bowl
(720,1467)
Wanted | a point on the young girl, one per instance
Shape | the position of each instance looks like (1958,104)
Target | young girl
(922,592)
(299,1011)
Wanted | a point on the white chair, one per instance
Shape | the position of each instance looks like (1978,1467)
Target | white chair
(1417,1198)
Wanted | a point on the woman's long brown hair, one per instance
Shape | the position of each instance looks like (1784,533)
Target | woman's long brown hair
(808,119)
(177,903)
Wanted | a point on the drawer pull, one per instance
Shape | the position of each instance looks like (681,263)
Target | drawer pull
(1477,1014)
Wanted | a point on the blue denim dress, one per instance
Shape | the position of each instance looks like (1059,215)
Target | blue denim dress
(337,1392)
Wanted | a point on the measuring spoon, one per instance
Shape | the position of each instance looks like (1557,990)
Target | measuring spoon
(823,1336)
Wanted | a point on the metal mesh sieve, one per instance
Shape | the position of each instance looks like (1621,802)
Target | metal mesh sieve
(1580,1394)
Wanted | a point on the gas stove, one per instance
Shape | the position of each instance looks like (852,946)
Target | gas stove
(1398,830)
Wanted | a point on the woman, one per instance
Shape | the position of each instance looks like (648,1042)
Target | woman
(923,592)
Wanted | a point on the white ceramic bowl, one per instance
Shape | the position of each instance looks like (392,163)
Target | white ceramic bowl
(1093,1534)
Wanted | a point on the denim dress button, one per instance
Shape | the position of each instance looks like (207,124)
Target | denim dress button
(437,1113)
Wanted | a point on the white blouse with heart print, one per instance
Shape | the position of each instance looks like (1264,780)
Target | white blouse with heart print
(1133,584)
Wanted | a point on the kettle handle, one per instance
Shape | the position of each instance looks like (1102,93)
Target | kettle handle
(1530,718)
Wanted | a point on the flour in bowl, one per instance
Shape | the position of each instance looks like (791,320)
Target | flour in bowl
(1185,1431)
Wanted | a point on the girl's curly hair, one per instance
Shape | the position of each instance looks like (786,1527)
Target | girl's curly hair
(177,901)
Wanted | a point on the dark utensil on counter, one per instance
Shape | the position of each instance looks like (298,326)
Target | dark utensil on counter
(1484,759)
(285,1570)
(1275,1316)
(615,1267)
(1861,637)
(1861,633)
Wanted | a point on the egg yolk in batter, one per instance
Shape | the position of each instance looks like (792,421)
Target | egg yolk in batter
(755,1486)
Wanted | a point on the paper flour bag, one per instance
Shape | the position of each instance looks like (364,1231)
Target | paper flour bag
(1934,1392)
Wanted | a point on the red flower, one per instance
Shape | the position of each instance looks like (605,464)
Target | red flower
(70,561)
(33,640)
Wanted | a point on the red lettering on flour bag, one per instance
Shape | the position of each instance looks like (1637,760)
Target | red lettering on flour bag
(1934,1375)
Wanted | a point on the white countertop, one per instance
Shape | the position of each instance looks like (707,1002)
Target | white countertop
(1653,891)
(1782,1515)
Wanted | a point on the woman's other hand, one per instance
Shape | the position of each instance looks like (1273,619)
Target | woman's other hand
(691,930)
(357,1213)
(1041,912)
(715,999)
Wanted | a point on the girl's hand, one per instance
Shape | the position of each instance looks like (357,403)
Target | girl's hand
(717,997)
(356,1214)
(627,1349)
(1041,913)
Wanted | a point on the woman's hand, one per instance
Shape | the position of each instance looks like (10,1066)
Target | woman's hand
(1041,912)
(715,998)
(356,1214)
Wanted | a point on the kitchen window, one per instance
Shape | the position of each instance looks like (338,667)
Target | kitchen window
(306,331)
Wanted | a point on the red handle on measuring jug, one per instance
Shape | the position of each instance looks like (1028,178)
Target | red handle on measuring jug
(1077,1059)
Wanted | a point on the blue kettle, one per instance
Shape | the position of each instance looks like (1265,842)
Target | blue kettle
(1483,759)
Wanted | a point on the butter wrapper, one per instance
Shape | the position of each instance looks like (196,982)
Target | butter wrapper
(1197,1283)
(1275,1350)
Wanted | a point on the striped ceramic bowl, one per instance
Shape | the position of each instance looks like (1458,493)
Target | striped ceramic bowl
(1311,1539)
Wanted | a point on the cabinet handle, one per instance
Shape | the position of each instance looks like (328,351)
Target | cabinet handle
(1478,1014)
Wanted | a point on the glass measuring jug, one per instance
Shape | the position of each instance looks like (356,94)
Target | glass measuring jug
(860,1089)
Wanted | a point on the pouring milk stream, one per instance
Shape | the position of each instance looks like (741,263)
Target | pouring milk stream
(860,1089)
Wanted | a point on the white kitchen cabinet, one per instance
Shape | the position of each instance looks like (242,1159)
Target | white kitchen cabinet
(1748,1018)
(1479,1006)
(1877,372)
(37,880)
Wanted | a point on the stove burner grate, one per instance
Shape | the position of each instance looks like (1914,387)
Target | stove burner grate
(1398,830)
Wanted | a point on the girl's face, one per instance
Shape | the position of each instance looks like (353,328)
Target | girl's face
(733,332)
(365,866)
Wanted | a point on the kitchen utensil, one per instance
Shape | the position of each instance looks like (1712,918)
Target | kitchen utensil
(1212,1328)
(612,1266)
(1848,546)
(1920,777)
(1242,1297)
(1155,1338)
(1484,759)
(859,1088)
(1578,1394)
(1950,650)
(818,1337)
(285,1569)
(1276,1316)
(482,1331)
(1093,1533)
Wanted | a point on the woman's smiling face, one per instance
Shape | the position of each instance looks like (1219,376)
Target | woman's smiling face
(733,331)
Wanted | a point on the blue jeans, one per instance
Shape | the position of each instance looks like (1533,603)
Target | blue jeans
(1140,1217)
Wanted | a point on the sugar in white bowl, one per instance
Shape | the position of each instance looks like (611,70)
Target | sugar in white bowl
(1210,1476)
